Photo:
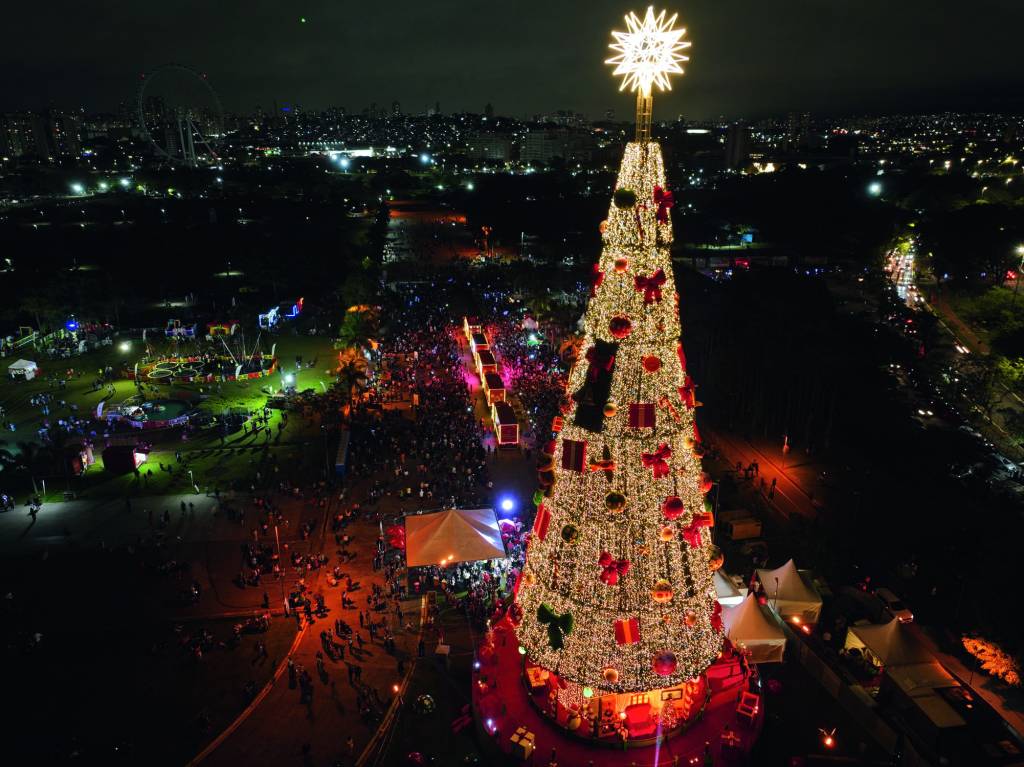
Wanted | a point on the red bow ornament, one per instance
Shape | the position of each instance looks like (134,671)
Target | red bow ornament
(691,533)
(664,200)
(651,286)
(598,363)
(658,460)
(613,569)
(716,617)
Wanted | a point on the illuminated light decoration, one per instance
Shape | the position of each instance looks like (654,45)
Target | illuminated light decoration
(619,631)
(646,54)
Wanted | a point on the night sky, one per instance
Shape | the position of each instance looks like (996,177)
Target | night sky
(749,57)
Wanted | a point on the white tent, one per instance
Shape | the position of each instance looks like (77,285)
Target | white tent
(446,537)
(891,644)
(749,628)
(725,590)
(23,369)
(789,594)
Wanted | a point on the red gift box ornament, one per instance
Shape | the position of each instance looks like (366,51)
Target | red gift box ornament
(557,423)
(641,415)
(596,280)
(573,454)
(691,533)
(672,508)
(687,397)
(682,356)
(613,569)
(598,363)
(664,200)
(651,286)
(627,631)
(542,521)
(658,460)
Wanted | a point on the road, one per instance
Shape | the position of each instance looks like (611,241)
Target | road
(794,493)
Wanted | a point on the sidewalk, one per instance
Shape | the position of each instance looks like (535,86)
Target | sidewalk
(280,729)
(980,683)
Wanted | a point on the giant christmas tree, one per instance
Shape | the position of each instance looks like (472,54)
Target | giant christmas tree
(617,592)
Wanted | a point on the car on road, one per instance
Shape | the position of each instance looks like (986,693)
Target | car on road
(894,605)
(1005,464)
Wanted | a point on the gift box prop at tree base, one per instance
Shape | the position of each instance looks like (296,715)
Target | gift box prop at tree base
(616,600)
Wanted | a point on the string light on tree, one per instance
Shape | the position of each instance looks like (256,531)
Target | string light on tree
(617,592)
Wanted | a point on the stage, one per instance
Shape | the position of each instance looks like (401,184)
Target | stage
(502,705)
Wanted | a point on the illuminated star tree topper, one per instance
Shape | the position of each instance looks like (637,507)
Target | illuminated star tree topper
(646,54)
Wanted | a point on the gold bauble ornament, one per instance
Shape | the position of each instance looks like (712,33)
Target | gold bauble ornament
(615,501)
(662,591)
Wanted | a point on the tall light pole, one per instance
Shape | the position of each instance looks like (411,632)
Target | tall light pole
(280,564)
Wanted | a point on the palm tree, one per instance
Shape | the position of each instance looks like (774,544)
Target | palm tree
(569,349)
(351,374)
(356,332)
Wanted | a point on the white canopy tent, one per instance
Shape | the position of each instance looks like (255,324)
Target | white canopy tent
(749,627)
(23,369)
(911,667)
(725,590)
(790,594)
(447,537)
(890,644)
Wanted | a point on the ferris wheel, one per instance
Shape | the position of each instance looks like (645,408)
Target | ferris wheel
(180,114)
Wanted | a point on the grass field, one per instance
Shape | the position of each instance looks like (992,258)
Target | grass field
(214,463)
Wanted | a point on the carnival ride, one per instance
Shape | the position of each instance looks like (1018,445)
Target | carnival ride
(180,114)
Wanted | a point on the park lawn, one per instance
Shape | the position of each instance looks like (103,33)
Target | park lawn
(213,465)
(990,312)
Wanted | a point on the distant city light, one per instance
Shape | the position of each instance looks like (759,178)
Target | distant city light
(125,346)
(77,188)
(125,182)
(425,158)
(104,186)
(874,188)
(469,186)
(344,162)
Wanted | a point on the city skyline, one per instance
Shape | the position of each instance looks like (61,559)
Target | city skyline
(766,60)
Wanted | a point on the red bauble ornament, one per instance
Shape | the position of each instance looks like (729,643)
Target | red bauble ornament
(621,264)
(672,507)
(620,326)
(665,663)
(651,363)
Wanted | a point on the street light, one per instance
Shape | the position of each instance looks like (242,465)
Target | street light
(1016,283)
(874,189)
